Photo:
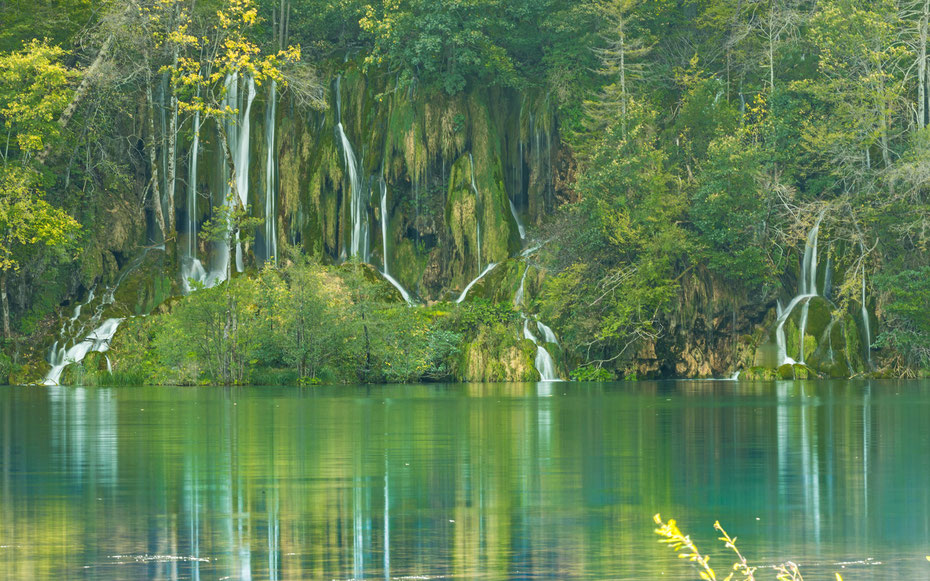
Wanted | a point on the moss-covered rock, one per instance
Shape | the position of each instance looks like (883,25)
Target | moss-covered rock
(497,354)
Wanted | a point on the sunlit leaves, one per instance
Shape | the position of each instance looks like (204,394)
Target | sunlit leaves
(27,220)
(34,90)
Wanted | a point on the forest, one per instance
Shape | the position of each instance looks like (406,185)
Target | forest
(350,191)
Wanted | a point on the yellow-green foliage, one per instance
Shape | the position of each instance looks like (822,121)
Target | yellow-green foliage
(740,570)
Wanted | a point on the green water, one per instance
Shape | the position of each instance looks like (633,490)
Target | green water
(513,481)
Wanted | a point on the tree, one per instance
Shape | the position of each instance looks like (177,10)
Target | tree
(439,43)
(34,89)
(861,77)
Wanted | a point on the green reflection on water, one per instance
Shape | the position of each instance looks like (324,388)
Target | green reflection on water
(509,481)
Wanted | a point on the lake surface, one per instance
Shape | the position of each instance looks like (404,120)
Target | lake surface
(510,481)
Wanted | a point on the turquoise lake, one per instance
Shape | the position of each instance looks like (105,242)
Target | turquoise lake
(463,481)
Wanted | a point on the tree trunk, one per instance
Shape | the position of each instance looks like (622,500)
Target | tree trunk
(922,69)
(171,178)
(153,163)
(6,304)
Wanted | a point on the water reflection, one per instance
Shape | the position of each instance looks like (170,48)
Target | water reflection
(465,481)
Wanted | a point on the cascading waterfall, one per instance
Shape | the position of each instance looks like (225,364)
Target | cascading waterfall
(544,363)
(241,161)
(358,243)
(547,332)
(807,290)
(386,273)
(271,234)
(98,339)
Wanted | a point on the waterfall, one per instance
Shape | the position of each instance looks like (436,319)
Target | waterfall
(191,267)
(807,290)
(487,269)
(358,243)
(516,218)
(237,138)
(386,273)
(808,282)
(98,340)
(547,333)
(384,224)
(271,235)
(866,328)
(544,363)
(474,188)
(359,232)
(241,162)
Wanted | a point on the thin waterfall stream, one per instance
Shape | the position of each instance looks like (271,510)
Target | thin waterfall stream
(271,234)
(386,273)
(358,241)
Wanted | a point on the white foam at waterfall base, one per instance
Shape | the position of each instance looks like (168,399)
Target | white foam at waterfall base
(98,340)
(192,271)
(487,269)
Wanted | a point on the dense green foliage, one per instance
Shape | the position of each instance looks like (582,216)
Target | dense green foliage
(305,323)
(696,144)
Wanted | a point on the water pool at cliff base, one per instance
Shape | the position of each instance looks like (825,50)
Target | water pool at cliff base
(464,481)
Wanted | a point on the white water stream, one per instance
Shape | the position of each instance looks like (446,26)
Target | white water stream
(544,362)
(807,291)
(386,273)
(358,242)
(487,269)
(271,234)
